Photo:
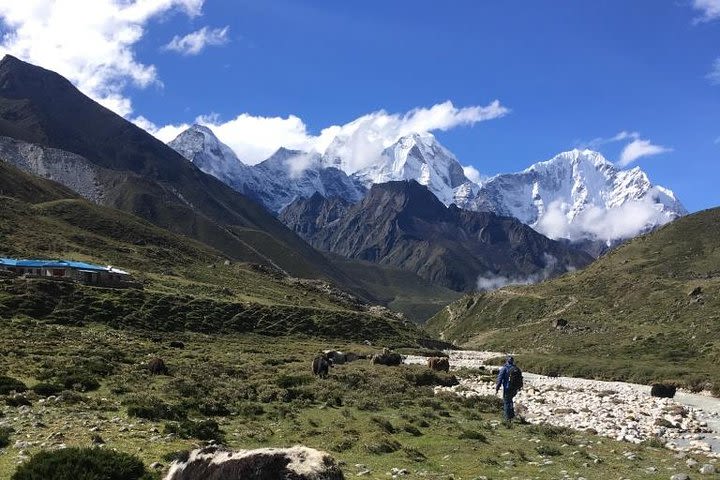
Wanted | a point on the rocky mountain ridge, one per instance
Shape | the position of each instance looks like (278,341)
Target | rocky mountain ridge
(402,224)
(577,195)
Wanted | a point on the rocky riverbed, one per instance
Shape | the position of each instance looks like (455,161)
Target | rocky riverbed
(619,410)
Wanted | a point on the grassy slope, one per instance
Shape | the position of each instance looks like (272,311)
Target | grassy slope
(630,314)
(403,291)
(176,271)
(261,394)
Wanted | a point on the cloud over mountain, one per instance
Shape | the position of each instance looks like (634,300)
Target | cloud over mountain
(95,49)
(255,138)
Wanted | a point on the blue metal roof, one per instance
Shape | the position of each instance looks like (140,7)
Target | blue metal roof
(36,263)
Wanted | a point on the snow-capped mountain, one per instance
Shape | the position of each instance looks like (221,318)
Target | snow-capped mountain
(579,195)
(291,174)
(576,195)
(275,182)
(418,157)
(200,145)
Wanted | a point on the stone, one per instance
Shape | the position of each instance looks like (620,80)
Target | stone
(680,476)
(707,469)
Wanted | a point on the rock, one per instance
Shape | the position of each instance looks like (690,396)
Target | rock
(661,422)
(680,476)
(707,469)
(156,466)
(696,291)
(559,323)
(691,462)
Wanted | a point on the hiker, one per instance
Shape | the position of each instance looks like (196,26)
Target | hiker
(510,378)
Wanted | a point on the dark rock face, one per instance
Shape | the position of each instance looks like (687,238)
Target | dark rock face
(663,391)
(216,463)
(402,224)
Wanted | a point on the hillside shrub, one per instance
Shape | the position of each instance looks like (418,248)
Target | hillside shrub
(47,389)
(82,463)
(17,401)
(9,384)
(202,430)
(5,436)
(382,444)
(151,408)
(81,382)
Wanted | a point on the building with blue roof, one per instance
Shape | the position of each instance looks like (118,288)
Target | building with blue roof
(83,272)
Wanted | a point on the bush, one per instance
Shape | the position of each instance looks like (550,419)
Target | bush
(202,430)
(213,408)
(482,403)
(431,378)
(472,435)
(47,389)
(550,431)
(548,451)
(9,384)
(291,381)
(82,463)
(17,401)
(81,382)
(155,409)
(5,436)
(384,424)
(412,430)
(381,445)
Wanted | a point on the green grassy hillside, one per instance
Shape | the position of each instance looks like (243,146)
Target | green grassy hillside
(649,309)
(247,391)
(186,285)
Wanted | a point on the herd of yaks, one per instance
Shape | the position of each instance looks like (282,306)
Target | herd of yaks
(321,364)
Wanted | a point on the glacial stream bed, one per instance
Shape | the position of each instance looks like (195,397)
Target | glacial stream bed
(620,410)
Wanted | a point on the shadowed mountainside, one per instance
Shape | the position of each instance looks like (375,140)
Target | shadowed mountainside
(402,224)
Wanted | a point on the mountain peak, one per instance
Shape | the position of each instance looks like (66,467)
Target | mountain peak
(201,128)
(574,158)
(420,157)
(580,195)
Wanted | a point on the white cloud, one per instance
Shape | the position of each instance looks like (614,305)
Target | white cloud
(636,147)
(472,173)
(600,141)
(624,221)
(714,75)
(639,148)
(710,9)
(90,43)
(193,43)
(551,267)
(255,138)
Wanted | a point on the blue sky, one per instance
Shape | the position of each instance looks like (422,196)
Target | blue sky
(569,72)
